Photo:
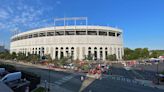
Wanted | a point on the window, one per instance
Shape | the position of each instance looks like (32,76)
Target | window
(111,34)
(30,36)
(92,32)
(118,34)
(42,34)
(81,32)
(102,33)
(50,33)
(35,35)
(70,32)
(59,33)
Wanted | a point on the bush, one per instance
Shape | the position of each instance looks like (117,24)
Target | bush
(85,67)
(9,68)
(162,72)
(40,89)
(32,77)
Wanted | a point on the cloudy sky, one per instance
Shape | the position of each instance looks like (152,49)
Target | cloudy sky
(142,21)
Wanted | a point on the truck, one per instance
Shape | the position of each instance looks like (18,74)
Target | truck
(12,77)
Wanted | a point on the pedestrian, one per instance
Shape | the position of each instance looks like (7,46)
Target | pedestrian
(82,78)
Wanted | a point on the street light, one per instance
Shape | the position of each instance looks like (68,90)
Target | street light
(49,77)
(157,62)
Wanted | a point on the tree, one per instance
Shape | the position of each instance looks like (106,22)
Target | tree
(32,58)
(137,53)
(13,55)
(21,56)
(5,55)
(154,54)
(49,59)
(63,61)
(111,57)
(128,54)
(145,53)
(35,58)
(89,57)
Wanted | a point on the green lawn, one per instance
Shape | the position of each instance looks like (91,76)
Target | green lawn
(40,89)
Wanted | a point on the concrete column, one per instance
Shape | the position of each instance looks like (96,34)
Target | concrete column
(75,53)
(115,34)
(80,53)
(117,53)
(53,52)
(69,51)
(86,51)
(37,50)
(103,53)
(64,51)
(59,52)
(120,54)
(98,53)
(92,51)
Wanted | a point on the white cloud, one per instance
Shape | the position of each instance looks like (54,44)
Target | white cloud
(2,25)
(23,16)
(4,14)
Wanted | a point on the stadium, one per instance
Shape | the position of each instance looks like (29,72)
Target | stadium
(75,40)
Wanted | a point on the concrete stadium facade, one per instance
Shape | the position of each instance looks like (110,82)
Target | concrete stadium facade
(76,41)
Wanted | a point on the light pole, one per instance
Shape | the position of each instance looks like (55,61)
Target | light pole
(157,62)
(49,77)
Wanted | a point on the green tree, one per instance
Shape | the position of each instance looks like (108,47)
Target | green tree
(32,58)
(13,55)
(145,53)
(128,54)
(35,58)
(154,54)
(137,53)
(111,57)
(21,56)
(49,59)
(89,57)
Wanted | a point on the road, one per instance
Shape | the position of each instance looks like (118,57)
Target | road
(133,73)
(73,83)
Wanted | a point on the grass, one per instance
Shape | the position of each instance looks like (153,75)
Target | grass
(40,89)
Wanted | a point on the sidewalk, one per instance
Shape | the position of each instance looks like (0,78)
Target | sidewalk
(54,88)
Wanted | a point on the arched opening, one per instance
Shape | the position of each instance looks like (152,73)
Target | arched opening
(36,51)
(101,53)
(72,52)
(32,50)
(89,52)
(67,53)
(61,53)
(106,52)
(56,53)
(95,53)
(39,51)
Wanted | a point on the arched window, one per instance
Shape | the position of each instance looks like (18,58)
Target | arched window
(61,48)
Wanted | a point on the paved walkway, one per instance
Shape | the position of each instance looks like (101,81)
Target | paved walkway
(54,87)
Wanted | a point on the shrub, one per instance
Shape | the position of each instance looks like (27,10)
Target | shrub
(40,89)
(9,68)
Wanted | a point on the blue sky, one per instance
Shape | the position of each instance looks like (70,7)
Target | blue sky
(142,21)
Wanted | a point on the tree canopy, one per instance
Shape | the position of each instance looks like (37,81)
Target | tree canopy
(140,53)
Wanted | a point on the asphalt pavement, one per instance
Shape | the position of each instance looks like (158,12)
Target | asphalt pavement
(72,82)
